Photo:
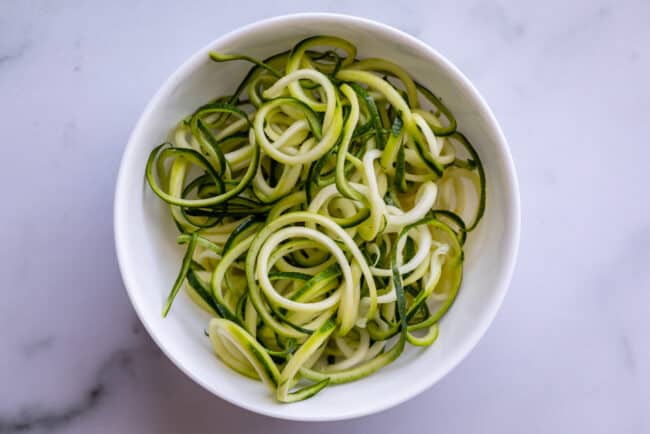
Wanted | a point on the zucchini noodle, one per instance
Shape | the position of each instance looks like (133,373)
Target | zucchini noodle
(324,205)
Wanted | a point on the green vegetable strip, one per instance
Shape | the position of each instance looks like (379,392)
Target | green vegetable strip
(373,112)
(187,260)
(218,57)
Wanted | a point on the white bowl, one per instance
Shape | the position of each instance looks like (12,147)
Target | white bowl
(149,257)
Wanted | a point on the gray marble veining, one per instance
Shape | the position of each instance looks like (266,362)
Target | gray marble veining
(569,83)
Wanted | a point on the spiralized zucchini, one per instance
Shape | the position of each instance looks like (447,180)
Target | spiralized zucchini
(324,205)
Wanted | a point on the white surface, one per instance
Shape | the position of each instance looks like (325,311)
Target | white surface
(568,351)
(149,256)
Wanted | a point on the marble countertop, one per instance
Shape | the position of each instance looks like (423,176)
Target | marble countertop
(569,350)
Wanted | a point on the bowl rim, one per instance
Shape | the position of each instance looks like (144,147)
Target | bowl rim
(513,213)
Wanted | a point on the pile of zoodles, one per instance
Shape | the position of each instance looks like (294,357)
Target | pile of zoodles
(324,205)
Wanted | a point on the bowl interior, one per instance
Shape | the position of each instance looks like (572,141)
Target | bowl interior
(149,257)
